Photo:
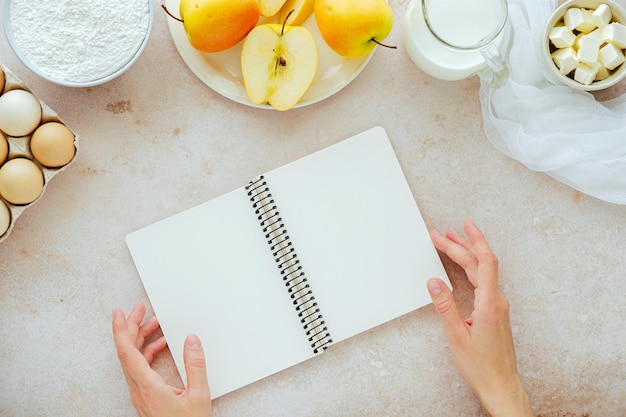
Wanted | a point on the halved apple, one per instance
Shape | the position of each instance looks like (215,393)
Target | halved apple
(300,11)
(278,64)
(270,7)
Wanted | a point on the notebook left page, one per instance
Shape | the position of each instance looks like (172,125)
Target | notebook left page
(208,271)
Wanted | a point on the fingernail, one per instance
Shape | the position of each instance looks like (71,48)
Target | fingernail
(193,341)
(434,287)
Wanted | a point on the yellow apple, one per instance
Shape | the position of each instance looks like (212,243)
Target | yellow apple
(278,63)
(300,11)
(270,7)
(216,25)
(352,28)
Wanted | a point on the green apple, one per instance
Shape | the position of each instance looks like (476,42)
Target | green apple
(270,7)
(278,64)
(216,25)
(352,28)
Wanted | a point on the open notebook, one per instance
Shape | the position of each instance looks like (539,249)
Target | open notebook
(301,258)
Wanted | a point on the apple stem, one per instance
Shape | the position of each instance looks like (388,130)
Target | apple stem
(382,44)
(282,31)
(171,15)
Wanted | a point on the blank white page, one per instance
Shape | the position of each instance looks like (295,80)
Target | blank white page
(208,271)
(358,232)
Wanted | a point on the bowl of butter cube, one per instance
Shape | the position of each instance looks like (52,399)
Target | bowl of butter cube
(584,44)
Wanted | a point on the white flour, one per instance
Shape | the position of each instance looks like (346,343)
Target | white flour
(79,40)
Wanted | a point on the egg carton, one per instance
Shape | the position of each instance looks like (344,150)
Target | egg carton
(19,147)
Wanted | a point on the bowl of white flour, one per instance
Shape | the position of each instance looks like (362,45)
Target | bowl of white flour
(78,43)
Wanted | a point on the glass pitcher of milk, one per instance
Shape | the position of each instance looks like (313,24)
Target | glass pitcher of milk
(455,39)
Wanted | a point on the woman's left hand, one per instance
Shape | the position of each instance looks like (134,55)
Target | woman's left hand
(149,393)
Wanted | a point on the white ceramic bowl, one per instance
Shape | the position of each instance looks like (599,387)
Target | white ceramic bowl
(120,63)
(619,15)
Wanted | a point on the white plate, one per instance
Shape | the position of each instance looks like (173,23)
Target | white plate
(222,70)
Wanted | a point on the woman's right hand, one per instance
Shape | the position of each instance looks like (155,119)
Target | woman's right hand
(482,345)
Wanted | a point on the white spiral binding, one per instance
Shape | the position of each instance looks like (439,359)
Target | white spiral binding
(288,264)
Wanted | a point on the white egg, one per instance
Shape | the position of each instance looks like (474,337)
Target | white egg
(20,113)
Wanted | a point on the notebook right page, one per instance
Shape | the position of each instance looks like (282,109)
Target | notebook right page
(358,233)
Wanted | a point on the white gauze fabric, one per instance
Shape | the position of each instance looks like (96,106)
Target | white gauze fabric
(552,128)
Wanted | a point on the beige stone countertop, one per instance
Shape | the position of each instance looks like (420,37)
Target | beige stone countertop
(157,141)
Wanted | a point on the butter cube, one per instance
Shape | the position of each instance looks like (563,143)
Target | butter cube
(588,23)
(577,41)
(602,15)
(565,59)
(585,74)
(616,34)
(562,37)
(573,18)
(611,56)
(588,50)
(602,73)
(595,34)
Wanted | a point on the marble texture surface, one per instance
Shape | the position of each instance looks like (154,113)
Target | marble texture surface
(156,141)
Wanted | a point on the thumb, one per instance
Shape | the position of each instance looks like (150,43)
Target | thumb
(446,307)
(195,365)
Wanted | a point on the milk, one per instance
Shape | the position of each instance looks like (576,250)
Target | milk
(472,38)
(465,23)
